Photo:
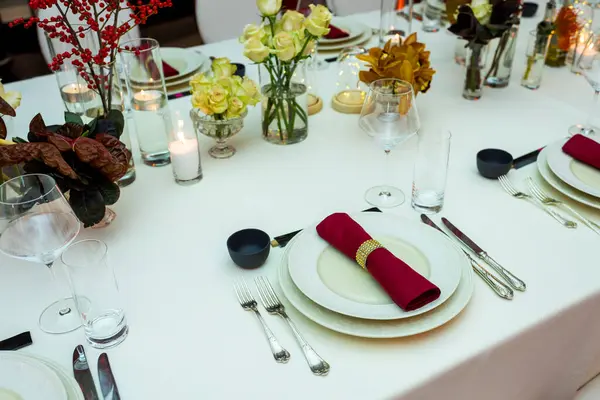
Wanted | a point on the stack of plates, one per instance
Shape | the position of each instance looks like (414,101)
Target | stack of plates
(572,178)
(187,62)
(26,377)
(335,292)
(359,36)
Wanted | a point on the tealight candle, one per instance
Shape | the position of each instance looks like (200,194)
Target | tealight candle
(149,100)
(76,93)
(185,158)
(349,101)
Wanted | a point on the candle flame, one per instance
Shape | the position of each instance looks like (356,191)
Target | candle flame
(180,136)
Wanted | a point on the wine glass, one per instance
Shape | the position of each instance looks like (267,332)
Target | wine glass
(37,224)
(588,62)
(390,116)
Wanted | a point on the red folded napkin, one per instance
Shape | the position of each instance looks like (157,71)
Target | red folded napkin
(583,149)
(150,64)
(336,33)
(406,287)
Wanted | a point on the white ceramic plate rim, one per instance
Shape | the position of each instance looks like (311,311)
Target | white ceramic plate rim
(355,28)
(560,164)
(556,183)
(52,379)
(364,38)
(443,258)
(193,60)
(372,328)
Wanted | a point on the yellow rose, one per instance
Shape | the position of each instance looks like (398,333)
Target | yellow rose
(317,23)
(268,7)
(292,21)
(12,98)
(285,46)
(253,31)
(200,83)
(217,99)
(236,107)
(200,101)
(222,68)
(246,91)
(255,50)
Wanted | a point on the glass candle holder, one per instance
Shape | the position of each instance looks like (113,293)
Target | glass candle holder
(185,154)
(391,21)
(537,48)
(350,91)
(582,51)
(147,94)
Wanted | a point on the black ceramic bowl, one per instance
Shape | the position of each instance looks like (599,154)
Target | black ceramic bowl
(249,248)
(529,9)
(493,163)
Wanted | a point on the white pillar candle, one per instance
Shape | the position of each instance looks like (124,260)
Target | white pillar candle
(185,158)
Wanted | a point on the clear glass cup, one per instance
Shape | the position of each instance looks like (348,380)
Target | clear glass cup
(590,67)
(96,293)
(432,15)
(150,112)
(392,19)
(390,116)
(37,224)
(537,47)
(431,169)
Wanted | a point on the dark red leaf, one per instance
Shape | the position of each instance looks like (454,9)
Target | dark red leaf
(44,152)
(94,153)
(3,131)
(61,143)
(115,147)
(70,130)
(37,124)
(6,108)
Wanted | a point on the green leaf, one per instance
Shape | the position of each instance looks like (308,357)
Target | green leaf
(110,192)
(117,118)
(92,127)
(72,117)
(88,205)
(19,140)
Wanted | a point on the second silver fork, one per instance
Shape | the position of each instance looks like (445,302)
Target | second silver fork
(510,189)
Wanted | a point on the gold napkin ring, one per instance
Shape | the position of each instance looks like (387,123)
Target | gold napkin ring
(365,250)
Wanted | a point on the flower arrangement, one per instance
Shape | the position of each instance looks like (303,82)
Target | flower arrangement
(281,45)
(99,19)
(566,27)
(406,60)
(9,102)
(223,95)
(85,160)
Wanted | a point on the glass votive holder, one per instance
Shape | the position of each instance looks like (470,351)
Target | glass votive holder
(185,154)
(582,51)
(391,21)
(537,47)
(150,112)
(350,91)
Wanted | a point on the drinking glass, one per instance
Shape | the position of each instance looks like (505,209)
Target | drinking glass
(431,166)
(590,68)
(391,20)
(433,10)
(537,48)
(390,116)
(37,224)
(96,293)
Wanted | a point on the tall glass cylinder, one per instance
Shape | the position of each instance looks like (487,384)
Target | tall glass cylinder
(498,75)
(474,61)
(185,153)
(391,22)
(148,98)
(537,48)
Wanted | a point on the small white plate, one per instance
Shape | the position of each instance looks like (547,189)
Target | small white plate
(577,174)
(25,378)
(556,183)
(336,282)
(372,328)
(354,28)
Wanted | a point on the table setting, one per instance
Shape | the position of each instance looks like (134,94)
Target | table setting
(202,183)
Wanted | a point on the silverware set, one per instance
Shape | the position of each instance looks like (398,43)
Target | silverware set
(83,376)
(270,301)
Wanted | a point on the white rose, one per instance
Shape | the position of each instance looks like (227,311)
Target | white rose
(255,50)
(268,7)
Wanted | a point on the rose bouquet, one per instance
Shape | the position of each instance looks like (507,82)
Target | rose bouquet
(281,45)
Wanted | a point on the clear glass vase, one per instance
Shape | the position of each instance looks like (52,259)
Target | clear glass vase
(498,76)
(220,130)
(474,62)
(284,113)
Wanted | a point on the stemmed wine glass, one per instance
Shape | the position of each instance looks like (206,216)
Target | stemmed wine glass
(390,116)
(588,63)
(37,224)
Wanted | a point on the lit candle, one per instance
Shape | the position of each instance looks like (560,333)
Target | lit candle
(185,156)
(149,100)
(396,40)
(76,93)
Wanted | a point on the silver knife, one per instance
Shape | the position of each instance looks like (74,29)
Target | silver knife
(108,385)
(497,286)
(83,375)
(509,277)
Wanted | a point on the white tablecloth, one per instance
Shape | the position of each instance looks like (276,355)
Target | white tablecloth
(190,338)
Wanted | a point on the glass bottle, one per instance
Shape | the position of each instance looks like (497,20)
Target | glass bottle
(559,45)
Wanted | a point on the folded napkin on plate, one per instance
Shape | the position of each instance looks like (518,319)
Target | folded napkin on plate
(583,149)
(336,33)
(148,61)
(406,287)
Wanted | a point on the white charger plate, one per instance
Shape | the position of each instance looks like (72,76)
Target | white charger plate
(373,328)
(354,28)
(185,61)
(29,379)
(336,282)
(556,183)
(577,174)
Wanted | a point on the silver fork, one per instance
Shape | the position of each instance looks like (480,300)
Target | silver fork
(510,189)
(248,303)
(539,194)
(273,305)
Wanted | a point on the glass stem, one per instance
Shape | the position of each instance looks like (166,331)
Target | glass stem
(386,166)
(594,106)
(64,310)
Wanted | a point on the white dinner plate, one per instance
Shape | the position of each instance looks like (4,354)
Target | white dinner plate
(185,61)
(337,47)
(556,183)
(354,28)
(71,386)
(577,174)
(372,328)
(25,378)
(336,282)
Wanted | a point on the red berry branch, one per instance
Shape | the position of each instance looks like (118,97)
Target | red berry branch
(100,19)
